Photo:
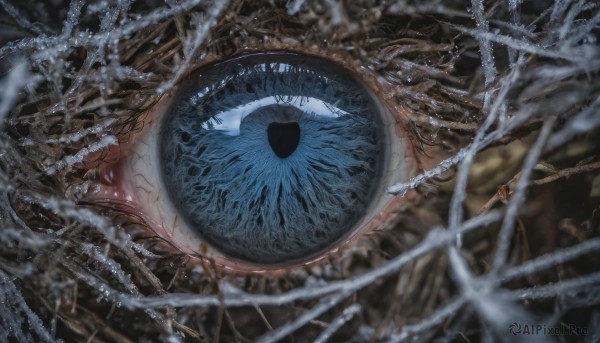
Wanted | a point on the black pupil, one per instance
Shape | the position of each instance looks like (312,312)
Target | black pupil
(283,138)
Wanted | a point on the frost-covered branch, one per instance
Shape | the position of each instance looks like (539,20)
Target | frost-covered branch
(338,322)
(283,331)
(85,81)
(201,30)
(485,47)
(70,161)
(428,324)
(10,86)
(518,196)
(17,319)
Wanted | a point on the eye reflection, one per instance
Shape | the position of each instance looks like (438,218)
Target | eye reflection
(271,159)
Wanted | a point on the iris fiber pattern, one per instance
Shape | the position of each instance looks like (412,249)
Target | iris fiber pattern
(229,184)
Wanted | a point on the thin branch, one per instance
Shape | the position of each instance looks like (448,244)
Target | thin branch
(506,189)
(460,188)
(203,25)
(283,331)
(430,322)
(72,160)
(485,47)
(549,260)
(575,55)
(558,288)
(335,325)
(16,315)
(518,197)
(234,297)
(568,172)
(10,86)
(584,121)
(444,123)
(21,20)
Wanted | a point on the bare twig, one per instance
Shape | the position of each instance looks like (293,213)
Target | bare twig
(286,329)
(485,46)
(518,197)
(342,319)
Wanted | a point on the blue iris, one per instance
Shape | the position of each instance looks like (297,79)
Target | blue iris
(272,157)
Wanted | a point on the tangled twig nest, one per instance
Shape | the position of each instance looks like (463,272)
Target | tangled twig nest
(506,95)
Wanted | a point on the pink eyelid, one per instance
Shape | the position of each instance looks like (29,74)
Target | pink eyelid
(126,187)
(129,180)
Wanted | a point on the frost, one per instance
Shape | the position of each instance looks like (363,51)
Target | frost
(588,118)
(294,6)
(10,86)
(112,266)
(77,136)
(342,319)
(485,47)
(73,17)
(401,188)
(282,332)
(18,322)
(20,18)
(496,74)
(336,11)
(70,161)
(195,38)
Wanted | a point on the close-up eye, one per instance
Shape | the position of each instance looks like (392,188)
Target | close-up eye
(270,158)
(299,171)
